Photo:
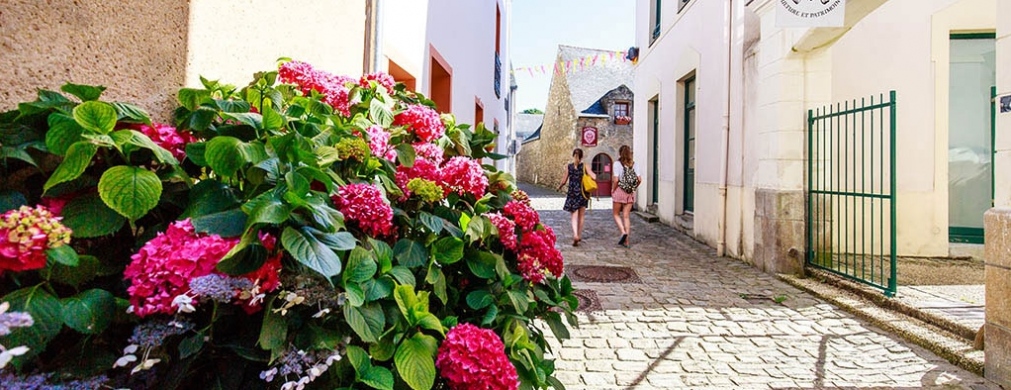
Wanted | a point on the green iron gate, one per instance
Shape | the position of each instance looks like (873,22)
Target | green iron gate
(851,190)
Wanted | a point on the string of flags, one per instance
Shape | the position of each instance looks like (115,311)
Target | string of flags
(576,64)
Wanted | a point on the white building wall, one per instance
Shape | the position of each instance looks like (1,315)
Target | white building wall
(690,42)
(404,35)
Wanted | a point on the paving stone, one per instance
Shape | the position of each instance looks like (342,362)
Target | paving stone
(687,327)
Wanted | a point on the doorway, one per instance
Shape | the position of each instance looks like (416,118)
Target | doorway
(601,166)
(970,134)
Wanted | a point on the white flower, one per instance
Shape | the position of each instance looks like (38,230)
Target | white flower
(129,309)
(6,355)
(288,385)
(4,306)
(124,361)
(268,375)
(336,357)
(130,349)
(185,303)
(321,313)
(146,365)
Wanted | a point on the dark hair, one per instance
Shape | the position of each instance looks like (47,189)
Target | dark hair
(625,155)
(578,152)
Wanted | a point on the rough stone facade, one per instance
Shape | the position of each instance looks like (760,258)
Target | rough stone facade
(136,49)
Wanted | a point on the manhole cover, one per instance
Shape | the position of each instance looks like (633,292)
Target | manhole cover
(588,300)
(602,274)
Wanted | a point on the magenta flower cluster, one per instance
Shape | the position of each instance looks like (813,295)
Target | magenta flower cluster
(169,138)
(472,358)
(25,235)
(379,143)
(464,175)
(333,87)
(381,78)
(421,121)
(537,256)
(506,230)
(365,205)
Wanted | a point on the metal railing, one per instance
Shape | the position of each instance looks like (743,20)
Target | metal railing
(851,205)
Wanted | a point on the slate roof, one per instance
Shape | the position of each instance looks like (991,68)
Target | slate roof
(536,135)
(597,108)
(527,124)
(587,85)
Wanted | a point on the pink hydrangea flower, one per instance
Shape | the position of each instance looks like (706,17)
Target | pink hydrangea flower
(421,121)
(429,151)
(333,87)
(538,256)
(381,78)
(365,205)
(464,175)
(472,358)
(524,215)
(379,143)
(422,169)
(164,266)
(506,230)
(169,138)
(25,235)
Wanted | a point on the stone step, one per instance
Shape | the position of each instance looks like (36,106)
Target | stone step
(647,217)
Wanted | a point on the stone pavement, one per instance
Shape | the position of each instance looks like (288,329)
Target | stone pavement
(693,320)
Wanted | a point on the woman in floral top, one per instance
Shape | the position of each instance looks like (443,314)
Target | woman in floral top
(575,200)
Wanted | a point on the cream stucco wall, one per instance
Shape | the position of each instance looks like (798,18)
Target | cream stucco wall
(914,62)
(404,34)
(136,49)
(231,40)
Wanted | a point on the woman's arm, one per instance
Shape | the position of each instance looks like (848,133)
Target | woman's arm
(565,179)
(589,172)
(614,176)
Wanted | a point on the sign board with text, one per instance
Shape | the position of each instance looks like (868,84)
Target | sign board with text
(810,13)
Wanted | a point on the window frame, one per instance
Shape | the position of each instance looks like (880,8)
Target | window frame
(688,170)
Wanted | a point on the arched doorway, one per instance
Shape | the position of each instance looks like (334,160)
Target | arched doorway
(601,166)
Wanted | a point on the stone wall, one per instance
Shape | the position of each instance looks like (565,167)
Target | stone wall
(135,48)
(543,161)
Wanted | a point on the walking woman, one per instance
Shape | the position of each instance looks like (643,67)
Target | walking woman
(575,201)
(623,185)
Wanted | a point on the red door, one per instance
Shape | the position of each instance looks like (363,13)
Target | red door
(601,166)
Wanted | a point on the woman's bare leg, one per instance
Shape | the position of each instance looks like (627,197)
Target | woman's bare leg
(626,210)
(616,211)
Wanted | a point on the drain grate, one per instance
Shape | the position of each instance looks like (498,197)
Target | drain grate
(588,301)
(602,274)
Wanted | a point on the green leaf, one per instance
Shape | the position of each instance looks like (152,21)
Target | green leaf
(383,253)
(384,349)
(519,300)
(132,112)
(271,119)
(340,241)
(431,322)
(232,105)
(88,217)
(195,152)
(89,312)
(479,299)
(406,300)
(247,259)
(139,139)
(438,280)
(359,358)
(131,191)
(83,92)
(209,196)
(410,253)
(10,200)
(274,332)
(95,116)
(482,264)
(191,345)
(478,228)
(378,378)
(192,98)
(224,155)
(267,208)
(88,267)
(63,132)
(360,266)
(308,251)
(251,119)
(406,155)
(381,113)
(201,119)
(7,152)
(74,163)
(47,315)
(367,321)
(554,321)
(490,315)
(448,250)
(432,222)
(229,223)
(403,275)
(376,289)
(355,295)
(62,254)
(414,361)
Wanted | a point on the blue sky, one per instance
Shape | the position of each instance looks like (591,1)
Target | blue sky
(539,26)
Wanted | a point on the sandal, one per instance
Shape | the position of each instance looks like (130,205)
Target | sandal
(575,242)
(624,238)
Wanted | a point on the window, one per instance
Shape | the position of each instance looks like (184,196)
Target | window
(689,150)
(682,4)
(441,83)
(654,13)
(478,113)
(401,76)
(654,178)
(621,109)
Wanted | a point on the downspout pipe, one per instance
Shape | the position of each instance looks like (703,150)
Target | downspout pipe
(721,243)
(373,37)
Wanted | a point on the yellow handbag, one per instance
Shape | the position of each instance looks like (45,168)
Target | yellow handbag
(589,185)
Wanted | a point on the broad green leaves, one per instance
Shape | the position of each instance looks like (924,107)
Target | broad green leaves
(95,116)
(310,252)
(78,157)
(88,217)
(414,361)
(47,313)
(131,191)
(89,312)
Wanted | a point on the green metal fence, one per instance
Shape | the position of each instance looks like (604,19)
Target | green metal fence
(851,190)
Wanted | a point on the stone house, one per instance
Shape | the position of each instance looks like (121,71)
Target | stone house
(589,107)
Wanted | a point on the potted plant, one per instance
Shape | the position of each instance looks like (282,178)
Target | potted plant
(622,120)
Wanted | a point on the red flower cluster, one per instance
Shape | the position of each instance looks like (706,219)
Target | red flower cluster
(333,87)
(464,175)
(474,358)
(424,122)
(538,256)
(524,215)
(26,234)
(169,138)
(381,78)
(162,269)
(365,204)
(379,143)
(506,230)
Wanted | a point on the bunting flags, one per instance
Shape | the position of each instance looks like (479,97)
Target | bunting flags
(574,65)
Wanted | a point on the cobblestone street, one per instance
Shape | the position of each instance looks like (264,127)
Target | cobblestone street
(684,318)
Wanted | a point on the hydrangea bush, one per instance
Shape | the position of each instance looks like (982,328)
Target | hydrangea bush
(307,230)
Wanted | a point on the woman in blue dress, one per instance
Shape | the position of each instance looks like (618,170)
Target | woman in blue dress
(575,200)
